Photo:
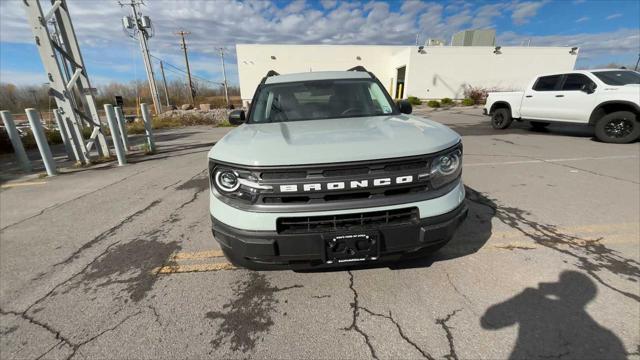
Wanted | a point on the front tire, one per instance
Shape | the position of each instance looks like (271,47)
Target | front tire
(501,119)
(619,127)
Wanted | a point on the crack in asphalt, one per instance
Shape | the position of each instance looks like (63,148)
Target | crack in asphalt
(48,351)
(447,329)
(107,233)
(464,296)
(356,307)
(354,320)
(425,354)
(155,314)
(58,336)
(32,320)
(596,255)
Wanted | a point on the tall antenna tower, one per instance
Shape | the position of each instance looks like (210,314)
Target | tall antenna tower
(70,87)
(139,27)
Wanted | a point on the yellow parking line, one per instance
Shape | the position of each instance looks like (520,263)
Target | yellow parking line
(10,185)
(198,255)
(173,269)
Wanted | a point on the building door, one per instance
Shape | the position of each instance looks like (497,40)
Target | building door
(400,82)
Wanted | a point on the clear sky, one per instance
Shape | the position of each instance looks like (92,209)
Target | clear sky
(605,30)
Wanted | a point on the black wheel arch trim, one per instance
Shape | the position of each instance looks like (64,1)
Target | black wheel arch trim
(596,114)
(500,103)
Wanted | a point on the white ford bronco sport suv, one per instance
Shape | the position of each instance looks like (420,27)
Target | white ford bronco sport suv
(608,99)
(327,170)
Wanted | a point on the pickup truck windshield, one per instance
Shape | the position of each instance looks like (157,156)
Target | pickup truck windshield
(618,78)
(320,99)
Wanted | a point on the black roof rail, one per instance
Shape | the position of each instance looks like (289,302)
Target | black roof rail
(358,68)
(269,74)
(362,69)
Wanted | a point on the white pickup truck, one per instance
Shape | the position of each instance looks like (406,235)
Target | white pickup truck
(608,99)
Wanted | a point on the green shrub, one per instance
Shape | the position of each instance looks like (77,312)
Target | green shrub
(468,102)
(433,103)
(446,102)
(414,100)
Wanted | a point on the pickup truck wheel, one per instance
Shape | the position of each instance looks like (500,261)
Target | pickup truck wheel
(501,119)
(619,127)
(538,125)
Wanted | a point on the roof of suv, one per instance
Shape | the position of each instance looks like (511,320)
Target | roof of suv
(317,75)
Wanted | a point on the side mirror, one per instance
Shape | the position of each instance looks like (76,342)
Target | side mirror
(237,117)
(404,106)
(589,88)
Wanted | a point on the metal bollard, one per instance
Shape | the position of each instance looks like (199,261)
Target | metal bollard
(122,125)
(146,118)
(115,134)
(64,134)
(14,136)
(41,140)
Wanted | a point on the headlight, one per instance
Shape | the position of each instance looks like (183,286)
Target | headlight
(446,168)
(227,180)
(447,164)
(236,183)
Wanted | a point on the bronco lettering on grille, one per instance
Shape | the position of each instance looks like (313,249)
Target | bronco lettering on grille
(341,185)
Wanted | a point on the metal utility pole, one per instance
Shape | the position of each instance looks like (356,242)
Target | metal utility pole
(141,26)
(224,73)
(164,81)
(183,45)
(64,49)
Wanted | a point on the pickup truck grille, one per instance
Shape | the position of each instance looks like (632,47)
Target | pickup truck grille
(346,222)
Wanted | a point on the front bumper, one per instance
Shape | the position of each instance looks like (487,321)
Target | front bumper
(484,111)
(264,250)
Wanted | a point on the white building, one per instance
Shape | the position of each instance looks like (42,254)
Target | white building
(428,72)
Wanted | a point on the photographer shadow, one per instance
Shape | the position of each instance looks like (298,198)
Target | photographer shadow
(553,323)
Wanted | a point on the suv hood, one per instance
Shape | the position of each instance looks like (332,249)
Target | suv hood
(332,140)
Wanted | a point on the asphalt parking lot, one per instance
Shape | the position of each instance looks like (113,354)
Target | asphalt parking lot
(120,263)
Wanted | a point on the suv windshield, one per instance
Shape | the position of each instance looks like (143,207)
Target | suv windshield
(320,99)
(622,77)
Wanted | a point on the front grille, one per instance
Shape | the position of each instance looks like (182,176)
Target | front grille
(346,222)
(345,172)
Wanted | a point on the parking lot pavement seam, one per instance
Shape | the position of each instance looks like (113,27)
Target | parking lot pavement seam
(56,205)
(447,329)
(556,162)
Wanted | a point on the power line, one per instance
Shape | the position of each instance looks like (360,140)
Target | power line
(182,33)
(141,26)
(166,63)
